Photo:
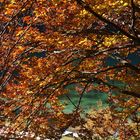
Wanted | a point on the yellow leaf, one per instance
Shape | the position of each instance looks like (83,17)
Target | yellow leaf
(82,41)
(125,4)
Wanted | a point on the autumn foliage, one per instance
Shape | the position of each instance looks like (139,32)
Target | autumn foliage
(45,46)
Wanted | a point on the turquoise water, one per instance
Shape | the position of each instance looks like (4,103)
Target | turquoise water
(89,100)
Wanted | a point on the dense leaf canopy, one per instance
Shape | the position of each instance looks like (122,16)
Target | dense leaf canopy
(46,46)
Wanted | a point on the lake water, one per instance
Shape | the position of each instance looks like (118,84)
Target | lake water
(89,100)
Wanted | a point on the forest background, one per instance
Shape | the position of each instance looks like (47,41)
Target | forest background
(49,48)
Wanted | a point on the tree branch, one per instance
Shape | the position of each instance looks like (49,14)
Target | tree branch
(89,9)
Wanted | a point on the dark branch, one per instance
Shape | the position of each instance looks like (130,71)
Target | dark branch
(89,9)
